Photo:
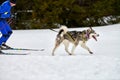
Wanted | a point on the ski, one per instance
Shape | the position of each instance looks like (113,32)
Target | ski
(24,49)
(6,53)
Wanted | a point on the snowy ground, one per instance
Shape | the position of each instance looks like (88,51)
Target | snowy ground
(104,64)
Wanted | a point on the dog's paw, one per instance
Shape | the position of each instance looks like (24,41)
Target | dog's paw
(70,54)
(91,52)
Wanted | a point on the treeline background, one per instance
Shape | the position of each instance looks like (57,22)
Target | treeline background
(37,14)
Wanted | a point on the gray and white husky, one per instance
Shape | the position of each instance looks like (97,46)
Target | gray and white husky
(76,37)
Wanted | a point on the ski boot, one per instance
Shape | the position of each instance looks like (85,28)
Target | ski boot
(4,47)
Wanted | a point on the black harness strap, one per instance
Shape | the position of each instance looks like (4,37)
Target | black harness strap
(70,36)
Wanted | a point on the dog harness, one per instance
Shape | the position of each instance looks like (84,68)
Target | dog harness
(86,37)
(69,35)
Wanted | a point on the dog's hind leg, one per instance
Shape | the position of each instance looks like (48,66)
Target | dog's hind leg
(56,46)
(83,45)
(66,44)
(57,43)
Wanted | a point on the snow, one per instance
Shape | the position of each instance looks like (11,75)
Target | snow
(104,64)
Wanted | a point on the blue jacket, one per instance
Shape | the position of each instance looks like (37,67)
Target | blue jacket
(5,10)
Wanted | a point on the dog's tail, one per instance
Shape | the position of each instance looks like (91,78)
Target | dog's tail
(63,30)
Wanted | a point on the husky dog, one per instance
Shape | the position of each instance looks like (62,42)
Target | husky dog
(64,36)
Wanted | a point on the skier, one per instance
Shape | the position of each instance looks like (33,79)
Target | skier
(5,29)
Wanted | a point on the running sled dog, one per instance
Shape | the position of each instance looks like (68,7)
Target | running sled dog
(76,37)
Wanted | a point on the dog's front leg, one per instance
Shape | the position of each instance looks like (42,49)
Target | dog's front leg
(73,49)
(83,45)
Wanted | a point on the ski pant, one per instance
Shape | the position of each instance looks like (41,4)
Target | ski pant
(5,30)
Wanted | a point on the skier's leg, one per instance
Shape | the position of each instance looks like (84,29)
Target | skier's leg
(3,32)
(8,30)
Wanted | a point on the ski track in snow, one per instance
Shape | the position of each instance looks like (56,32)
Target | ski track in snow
(104,64)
